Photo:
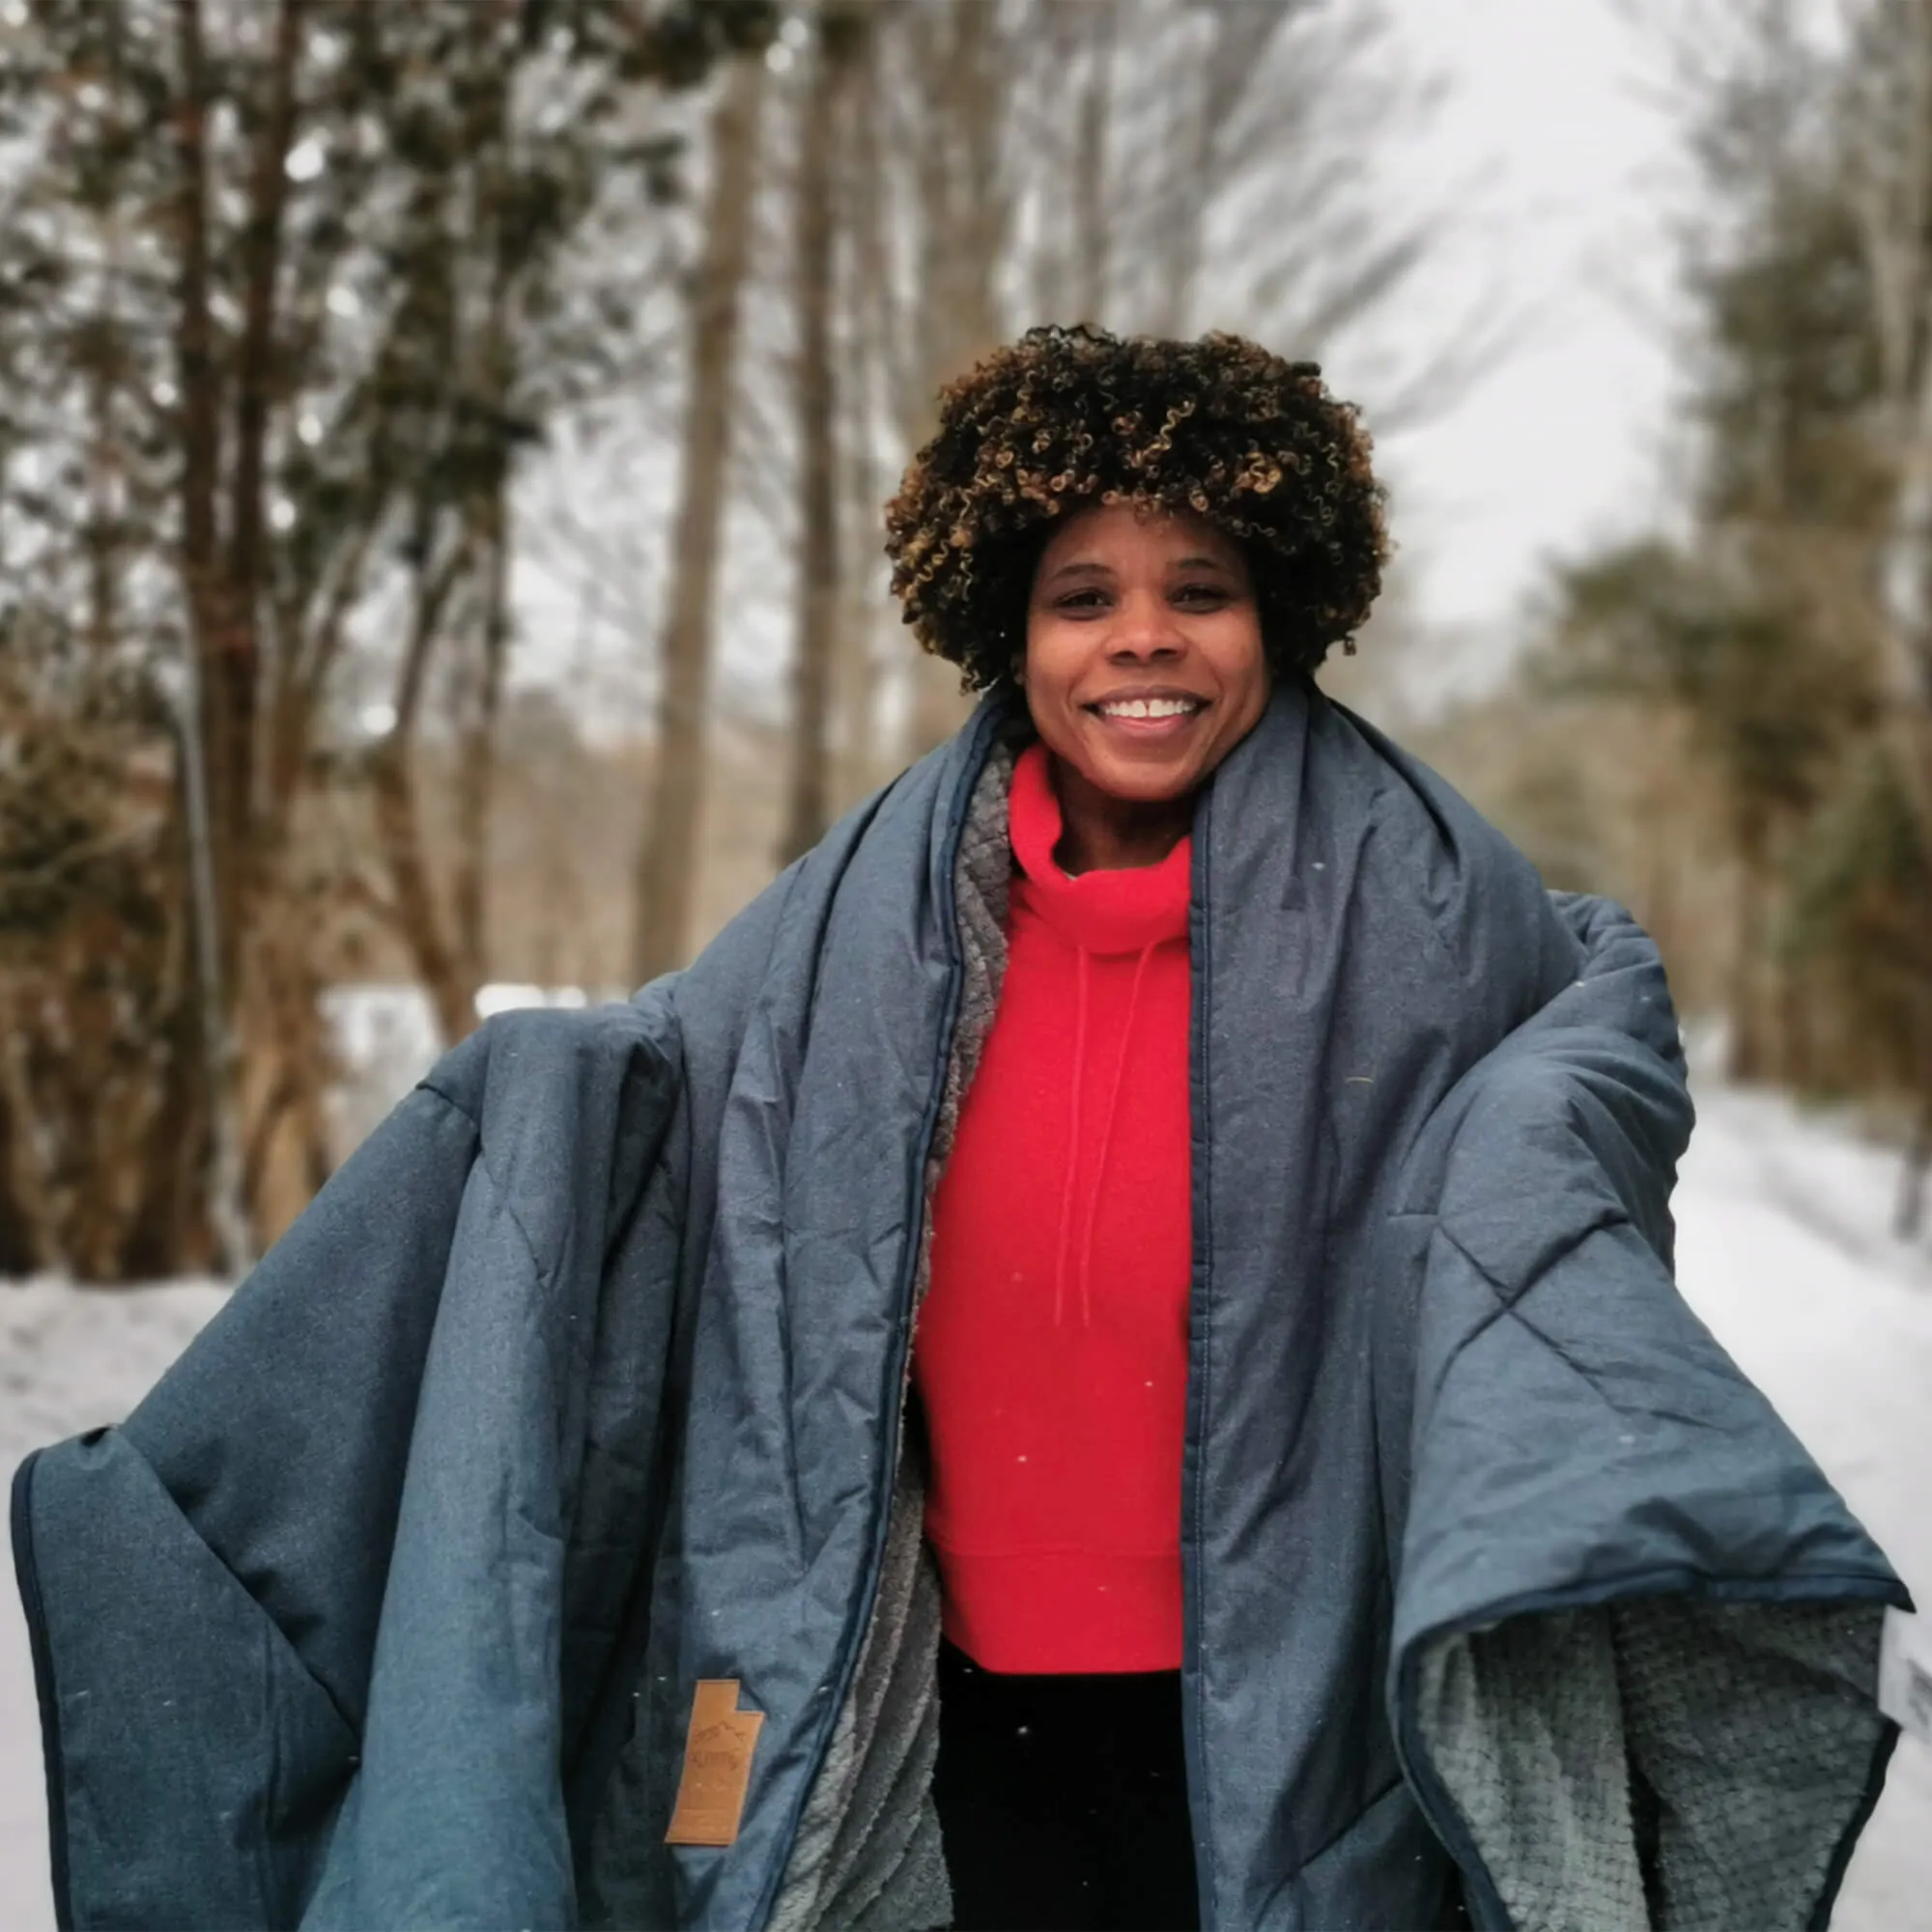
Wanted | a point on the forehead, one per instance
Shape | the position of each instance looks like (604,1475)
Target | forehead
(1121,535)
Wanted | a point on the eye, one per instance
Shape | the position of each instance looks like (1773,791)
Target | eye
(1082,600)
(1198,592)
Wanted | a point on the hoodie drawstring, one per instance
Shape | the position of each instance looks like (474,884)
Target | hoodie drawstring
(1081,973)
(1106,1136)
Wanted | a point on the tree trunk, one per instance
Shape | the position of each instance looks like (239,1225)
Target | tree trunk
(964,217)
(199,381)
(20,1250)
(1916,1170)
(1752,1049)
(418,919)
(865,372)
(1909,1218)
(1093,225)
(668,856)
(819,567)
(222,597)
(172,1231)
(476,753)
(255,377)
(286,1151)
(213,750)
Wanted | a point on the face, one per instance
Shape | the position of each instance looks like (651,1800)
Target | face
(1143,664)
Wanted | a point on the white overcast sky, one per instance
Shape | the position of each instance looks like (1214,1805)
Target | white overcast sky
(1566,443)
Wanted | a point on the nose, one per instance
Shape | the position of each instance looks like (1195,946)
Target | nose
(1145,629)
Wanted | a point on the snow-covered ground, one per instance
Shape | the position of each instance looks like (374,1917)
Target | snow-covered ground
(1781,1247)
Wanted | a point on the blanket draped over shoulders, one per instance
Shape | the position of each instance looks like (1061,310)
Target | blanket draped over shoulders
(586,1379)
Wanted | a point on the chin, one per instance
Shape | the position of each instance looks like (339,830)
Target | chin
(1146,781)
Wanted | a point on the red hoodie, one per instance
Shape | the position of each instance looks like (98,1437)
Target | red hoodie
(1051,1352)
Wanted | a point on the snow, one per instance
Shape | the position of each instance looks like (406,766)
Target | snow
(385,1038)
(1781,1249)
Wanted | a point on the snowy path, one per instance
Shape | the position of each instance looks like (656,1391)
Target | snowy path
(1780,1249)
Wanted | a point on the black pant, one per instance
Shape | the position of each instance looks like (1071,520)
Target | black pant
(1063,1802)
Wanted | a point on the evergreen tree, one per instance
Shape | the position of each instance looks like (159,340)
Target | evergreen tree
(287,291)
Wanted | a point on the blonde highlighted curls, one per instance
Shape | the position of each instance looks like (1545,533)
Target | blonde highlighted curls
(1069,417)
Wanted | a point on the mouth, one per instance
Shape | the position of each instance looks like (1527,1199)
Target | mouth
(1148,714)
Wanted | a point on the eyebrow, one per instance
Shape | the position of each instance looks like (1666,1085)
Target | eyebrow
(1093,567)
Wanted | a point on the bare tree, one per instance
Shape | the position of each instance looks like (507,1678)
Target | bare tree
(838,42)
(954,117)
(1146,165)
(666,859)
(868,371)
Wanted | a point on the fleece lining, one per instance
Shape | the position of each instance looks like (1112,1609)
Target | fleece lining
(1657,1762)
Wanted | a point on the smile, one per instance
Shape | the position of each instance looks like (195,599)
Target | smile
(1149,707)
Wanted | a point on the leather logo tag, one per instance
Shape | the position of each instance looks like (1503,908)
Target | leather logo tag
(717,1766)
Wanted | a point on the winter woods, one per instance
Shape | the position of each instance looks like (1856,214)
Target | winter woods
(1730,720)
(442,450)
(293,291)
(405,411)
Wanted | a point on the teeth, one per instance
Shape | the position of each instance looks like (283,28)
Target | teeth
(1151,707)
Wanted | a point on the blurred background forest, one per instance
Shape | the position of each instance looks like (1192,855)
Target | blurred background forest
(442,449)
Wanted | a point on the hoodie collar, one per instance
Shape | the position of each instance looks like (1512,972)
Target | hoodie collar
(1124,910)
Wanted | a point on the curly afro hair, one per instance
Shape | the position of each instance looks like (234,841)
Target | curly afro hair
(1066,419)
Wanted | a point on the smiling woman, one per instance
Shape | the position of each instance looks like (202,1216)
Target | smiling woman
(986,1401)
(1138,539)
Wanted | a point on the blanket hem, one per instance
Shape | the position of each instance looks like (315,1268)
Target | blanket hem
(1841,1859)
(26,1569)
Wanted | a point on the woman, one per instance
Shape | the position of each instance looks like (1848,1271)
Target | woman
(1104,1357)
(1057,1419)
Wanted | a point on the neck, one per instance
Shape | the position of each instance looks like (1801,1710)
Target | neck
(1103,834)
